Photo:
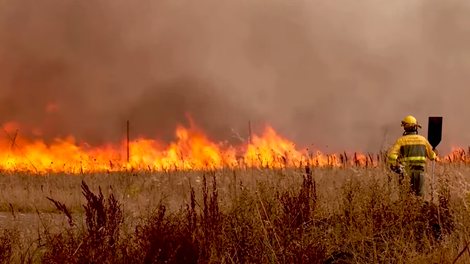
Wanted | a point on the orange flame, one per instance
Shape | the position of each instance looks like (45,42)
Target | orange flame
(191,150)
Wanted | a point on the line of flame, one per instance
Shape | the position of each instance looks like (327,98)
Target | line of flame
(191,150)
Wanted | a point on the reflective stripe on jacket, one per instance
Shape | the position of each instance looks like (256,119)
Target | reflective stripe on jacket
(411,149)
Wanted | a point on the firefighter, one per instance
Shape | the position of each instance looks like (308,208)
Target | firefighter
(409,154)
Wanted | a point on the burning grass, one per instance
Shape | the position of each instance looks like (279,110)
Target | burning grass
(303,215)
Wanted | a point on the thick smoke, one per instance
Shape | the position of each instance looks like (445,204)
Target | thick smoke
(332,75)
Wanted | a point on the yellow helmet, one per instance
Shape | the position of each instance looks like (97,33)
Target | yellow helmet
(410,123)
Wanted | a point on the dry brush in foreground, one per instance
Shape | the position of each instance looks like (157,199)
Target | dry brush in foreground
(319,215)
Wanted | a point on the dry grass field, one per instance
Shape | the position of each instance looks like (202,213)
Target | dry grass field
(304,215)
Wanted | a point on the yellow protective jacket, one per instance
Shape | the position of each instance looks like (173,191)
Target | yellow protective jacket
(411,150)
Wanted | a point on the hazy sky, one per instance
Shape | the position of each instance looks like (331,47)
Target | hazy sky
(338,73)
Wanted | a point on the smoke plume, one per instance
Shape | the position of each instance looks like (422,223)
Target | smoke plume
(329,75)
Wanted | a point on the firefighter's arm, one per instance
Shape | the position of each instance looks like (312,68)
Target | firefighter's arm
(430,152)
(394,152)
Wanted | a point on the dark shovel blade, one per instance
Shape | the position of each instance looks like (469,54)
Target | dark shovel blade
(435,131)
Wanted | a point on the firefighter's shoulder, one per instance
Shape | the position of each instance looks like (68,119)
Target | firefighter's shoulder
(422,137)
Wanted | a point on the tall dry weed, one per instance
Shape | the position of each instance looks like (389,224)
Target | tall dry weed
(98,243)
(161,239)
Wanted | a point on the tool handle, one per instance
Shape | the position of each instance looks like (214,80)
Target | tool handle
(432,181)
